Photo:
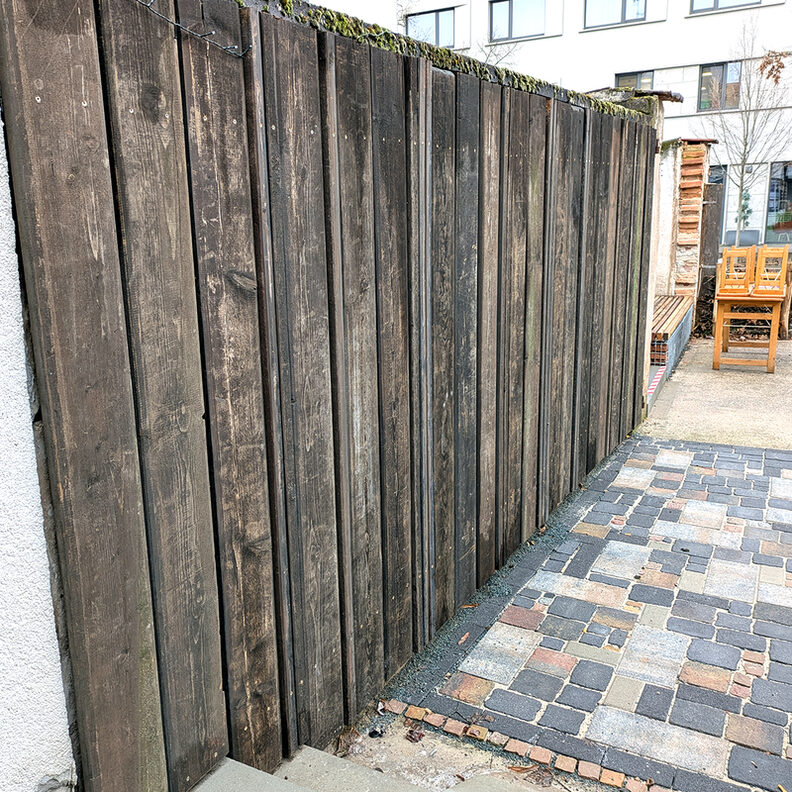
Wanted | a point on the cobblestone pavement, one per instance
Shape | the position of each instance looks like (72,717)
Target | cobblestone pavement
(652,639)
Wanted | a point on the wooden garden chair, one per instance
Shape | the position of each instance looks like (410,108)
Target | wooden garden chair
(771,271)
(736,271)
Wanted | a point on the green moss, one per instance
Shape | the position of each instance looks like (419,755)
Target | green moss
(441,57)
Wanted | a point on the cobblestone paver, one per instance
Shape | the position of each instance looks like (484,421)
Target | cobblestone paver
(655,639)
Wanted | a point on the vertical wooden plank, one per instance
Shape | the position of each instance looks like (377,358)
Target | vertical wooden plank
(567,206)
(145,110)
(534,295)
(489,214)
(643,307)
(53,107)
(298,233)
(286,741)
(225,249)
(348,167)
(466,202)
(623,237)
(418,85)
(443,233)
(388,107)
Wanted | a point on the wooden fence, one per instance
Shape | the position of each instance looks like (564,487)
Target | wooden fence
(322,334)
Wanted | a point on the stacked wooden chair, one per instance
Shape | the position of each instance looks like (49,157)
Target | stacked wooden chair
(751,286)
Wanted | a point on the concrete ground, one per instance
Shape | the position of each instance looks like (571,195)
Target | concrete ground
(645,640)
(735,405)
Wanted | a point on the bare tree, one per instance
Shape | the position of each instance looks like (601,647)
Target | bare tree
(756,130)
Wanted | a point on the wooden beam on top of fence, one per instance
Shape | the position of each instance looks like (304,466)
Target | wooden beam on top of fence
(418,86)
(56,132)
(260,199)
(442,268)
(291,93)
(145,109)
(226,272)
(466,210)
(489,215)
(640,355)
(534,296)
(388,110)
(349,203)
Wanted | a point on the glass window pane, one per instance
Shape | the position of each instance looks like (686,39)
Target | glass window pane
(603,12)
(710,86)
(445,20)
(779,204)
(703,5)
(717,174)
(731,96)
(627,81)
(499,20)
(634,9)
(646,83)
(528,18)
(422,27)
(734,3)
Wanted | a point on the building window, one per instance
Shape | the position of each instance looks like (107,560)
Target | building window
(636,81)
(697,6)
(779,204)
(511,19)
(719,86)
(717,174)
(614,12)
(433,27)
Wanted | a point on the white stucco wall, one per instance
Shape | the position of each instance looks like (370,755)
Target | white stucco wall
(35,750)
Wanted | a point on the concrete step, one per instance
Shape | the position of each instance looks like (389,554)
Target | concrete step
(323,772)
(232,776)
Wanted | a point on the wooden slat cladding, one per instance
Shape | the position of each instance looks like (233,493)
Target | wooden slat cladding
(54,108)
(363,323)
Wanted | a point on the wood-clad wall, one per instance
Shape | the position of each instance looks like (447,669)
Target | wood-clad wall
(322,334)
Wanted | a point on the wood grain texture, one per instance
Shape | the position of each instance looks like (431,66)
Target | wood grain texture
(466,181)
(443,239)
(388,108)
(145,109)
(301,300)
(489,213)
(226,270)
(283,740)
(56,134)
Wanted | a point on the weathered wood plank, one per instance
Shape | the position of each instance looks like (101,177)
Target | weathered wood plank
(443,233)
(418,87)
(489,214)
(466,200)
(225,249)
(298,233)
(286,741)
(53,108)
(390,216)
(145,110)
(349,199)
(534,295)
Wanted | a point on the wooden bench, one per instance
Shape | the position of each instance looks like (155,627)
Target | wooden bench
(670,313)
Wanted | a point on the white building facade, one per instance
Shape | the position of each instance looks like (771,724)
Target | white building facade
(691,47)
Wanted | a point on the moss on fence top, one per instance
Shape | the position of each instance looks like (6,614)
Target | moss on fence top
(441,57)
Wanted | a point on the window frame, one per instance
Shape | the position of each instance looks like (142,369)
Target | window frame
(436,13)
(716,6)
(510,36)
(636,74)
(721,108)
(624,20)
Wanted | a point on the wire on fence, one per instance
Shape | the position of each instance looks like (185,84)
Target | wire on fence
(231,49)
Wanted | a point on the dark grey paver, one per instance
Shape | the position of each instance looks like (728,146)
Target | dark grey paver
(698,717)
(704,599)
(535,683)
(710,698)
(570,746)
(685,781)
(732,622)
(767,560)
(693,548)
(688,627)
(651,594)
(655,702)
(609,581)
(774,613)
(558,627)
(552,643)
(579,698)
(740,608)
(686,609)
(781,651)
(514,704)
(589,674)
(638,767)
(714,654)
(570,608)
(764,714)
(742,640)
(780,672)
(758,769)
(562,719)
(617,637)
(592,639)
(772,694)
